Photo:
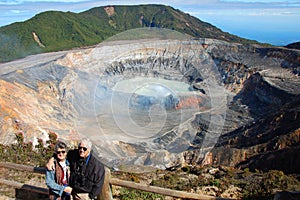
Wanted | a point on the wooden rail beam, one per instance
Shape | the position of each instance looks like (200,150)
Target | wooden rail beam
(163,191)
(25,186)
(40,170)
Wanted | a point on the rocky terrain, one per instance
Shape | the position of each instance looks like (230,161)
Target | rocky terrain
(161,102)
(295,45)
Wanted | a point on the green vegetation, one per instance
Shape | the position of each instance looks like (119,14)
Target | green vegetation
(251,185)
(254,185)
(129,194)
(25,153)
(66,30)
(263,185)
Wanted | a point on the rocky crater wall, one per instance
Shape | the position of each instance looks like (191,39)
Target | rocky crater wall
(220,95)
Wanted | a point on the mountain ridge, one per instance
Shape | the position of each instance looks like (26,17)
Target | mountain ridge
(294,45)
(59,30)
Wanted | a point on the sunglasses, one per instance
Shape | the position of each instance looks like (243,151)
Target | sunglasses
(84,148)
(58,152)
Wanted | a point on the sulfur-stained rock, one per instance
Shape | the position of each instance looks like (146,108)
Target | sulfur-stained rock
(161,103)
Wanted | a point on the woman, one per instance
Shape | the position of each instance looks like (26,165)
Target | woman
(57,180)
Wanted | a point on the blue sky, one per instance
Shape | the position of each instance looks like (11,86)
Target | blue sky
(273,21)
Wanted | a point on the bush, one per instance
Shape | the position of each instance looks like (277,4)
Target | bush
(25,153)
(129,194)
(265,185)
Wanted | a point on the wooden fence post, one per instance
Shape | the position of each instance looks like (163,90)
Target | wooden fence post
(106,193)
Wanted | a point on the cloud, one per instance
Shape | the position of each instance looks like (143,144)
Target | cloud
(261,1)
(243,7)
(14,2)
(16,11)
(8,2)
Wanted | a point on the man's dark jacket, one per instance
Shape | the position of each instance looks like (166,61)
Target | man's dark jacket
(87,175)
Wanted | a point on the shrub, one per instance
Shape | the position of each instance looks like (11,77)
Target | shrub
(264,185)
(129,194)
(24,153)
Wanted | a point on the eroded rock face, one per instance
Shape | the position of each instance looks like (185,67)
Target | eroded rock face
(156,102)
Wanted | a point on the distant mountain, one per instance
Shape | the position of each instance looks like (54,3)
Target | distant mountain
(295,45)
(54,30)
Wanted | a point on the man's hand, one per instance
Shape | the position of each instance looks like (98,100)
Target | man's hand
(68,189)
(92,197)
(50,164)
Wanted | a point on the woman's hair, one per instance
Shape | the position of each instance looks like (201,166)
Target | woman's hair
(60,145)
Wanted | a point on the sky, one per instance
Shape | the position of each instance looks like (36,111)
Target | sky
(275,22)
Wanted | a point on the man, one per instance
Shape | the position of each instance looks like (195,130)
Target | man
(87,172)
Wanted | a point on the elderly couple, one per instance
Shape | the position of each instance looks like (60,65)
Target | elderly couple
(76,174)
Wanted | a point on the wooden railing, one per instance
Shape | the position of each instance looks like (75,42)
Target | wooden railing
(106,191)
